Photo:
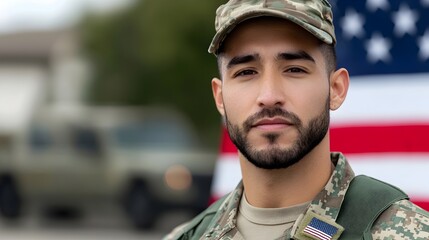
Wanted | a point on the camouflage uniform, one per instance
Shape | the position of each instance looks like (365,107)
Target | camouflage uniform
(402,220)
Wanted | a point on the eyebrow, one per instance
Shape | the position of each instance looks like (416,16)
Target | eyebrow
(242,59)
(300,55)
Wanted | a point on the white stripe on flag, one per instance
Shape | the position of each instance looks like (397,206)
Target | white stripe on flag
(385,99)
(406,171)
(227,174)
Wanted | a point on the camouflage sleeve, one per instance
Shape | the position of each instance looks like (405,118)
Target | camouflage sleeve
(402,220)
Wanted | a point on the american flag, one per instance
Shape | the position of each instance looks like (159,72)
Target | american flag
(383,126)
(320,230)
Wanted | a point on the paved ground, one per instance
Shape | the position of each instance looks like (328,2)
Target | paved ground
(94,226)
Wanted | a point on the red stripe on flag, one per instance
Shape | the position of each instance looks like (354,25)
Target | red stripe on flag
(380,139)
(226,145)
(366,139)
(316,233)
(423,203)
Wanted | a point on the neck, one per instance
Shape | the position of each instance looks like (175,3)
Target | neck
(296,184)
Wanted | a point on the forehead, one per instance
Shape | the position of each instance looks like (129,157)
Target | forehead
(267,31)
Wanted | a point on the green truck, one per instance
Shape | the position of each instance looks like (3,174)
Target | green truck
(145,160)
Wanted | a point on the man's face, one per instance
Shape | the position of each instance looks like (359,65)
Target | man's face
(274,93)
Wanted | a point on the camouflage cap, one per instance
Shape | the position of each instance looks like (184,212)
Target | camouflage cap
(313,15)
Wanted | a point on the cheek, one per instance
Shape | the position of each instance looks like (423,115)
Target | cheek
(312,101)
(238,102)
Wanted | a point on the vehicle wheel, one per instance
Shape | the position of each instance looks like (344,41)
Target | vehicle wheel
(10,202)
(140,207)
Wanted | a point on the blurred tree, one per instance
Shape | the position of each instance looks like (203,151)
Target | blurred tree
(155,52)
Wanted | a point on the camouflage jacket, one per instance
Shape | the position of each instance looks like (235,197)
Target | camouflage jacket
(402,220)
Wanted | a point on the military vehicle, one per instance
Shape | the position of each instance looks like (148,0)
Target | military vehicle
(146,160)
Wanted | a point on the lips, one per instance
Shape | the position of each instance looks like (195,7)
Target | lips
(272,123)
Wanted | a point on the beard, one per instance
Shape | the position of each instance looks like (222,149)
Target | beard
(274,156)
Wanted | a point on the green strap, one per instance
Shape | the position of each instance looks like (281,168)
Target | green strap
(365,200)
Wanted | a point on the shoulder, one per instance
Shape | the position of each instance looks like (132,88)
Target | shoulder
(402,220)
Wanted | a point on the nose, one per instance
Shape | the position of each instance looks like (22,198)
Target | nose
(271,92)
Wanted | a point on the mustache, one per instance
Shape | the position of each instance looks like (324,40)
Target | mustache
(271,113)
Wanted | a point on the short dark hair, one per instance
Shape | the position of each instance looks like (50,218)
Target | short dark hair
(328,51)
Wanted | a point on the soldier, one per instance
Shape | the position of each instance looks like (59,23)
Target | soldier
(278,82)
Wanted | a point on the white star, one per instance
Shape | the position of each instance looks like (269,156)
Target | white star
(378,48)
(405,21)
(425,3)
(352,24)
(424,46)
(373,5)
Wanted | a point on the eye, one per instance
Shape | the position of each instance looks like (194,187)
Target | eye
(245,72)
(295,70)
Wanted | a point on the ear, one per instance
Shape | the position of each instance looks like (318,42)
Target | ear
(217,94)
(340,81)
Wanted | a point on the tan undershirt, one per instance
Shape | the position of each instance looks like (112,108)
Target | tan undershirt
(266,223)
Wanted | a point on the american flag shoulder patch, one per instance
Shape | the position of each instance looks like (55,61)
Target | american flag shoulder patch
(320,229)
(317,227)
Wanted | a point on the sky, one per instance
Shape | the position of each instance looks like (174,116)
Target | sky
(22,15)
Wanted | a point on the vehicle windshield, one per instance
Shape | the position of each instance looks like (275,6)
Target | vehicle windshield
(153,134)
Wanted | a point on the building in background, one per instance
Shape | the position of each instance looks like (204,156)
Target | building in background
(40,56)
(37,69)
